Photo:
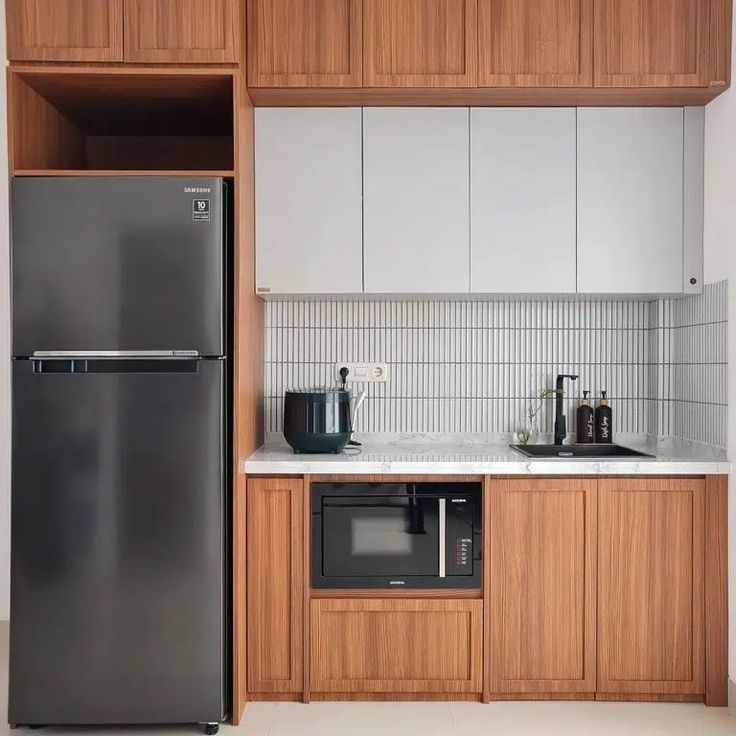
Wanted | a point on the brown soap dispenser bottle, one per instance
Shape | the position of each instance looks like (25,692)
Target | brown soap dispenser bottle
(585,424)
(603,421)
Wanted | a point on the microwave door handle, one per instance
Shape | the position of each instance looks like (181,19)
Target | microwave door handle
(443,540)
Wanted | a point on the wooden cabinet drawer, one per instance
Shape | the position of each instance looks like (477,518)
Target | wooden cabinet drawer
(396,645)
(65,30)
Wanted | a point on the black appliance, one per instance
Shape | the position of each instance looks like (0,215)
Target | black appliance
(396,535)
(317,420)
(120,450)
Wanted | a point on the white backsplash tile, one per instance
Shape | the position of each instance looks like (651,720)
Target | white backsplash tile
(474,366)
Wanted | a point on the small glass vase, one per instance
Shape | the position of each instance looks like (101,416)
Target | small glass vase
(525,434)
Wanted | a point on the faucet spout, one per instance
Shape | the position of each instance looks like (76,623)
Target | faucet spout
(560,419)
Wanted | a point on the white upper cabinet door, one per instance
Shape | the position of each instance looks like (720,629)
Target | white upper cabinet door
(630,200)
(309,236)
(522,188)
(416,200)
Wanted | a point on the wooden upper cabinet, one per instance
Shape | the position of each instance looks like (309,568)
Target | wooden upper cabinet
(541,616)
(535,43)
(65,30)
(304,43)
(181,31)
(650,586)
(652,43)
(419,43)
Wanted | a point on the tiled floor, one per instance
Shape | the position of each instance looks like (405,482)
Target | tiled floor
(439,719)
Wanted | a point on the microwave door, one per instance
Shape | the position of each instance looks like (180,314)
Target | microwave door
(381,538)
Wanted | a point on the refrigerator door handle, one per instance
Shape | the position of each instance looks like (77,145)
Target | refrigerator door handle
(113,354)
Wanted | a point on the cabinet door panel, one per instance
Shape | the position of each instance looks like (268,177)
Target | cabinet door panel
(65,30)
(522,185)
(275,585)
(419,43)
(530,43)
(416,200)
(304,43)
(396,645)
(541,617)
(651,43)
(171,31)
(630,200)
(650,586)
(309,218)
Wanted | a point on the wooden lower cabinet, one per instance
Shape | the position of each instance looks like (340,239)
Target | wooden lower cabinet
(396,646)
(275,585)
(541,548)
(651,586)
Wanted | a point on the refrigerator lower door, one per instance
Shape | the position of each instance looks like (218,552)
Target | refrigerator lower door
(118,552)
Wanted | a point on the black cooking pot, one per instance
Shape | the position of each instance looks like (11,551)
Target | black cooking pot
(317,419)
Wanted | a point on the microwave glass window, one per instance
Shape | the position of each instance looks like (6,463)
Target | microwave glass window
(396,537)
(385,535)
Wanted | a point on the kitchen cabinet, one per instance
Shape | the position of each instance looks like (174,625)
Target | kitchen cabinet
(419,43)
(304,43)
(650,586)
(523,200)
(416,200)
(309,231)
(541,618)
(275,585)
(398,645)
(651,43)
(65,30)
(630,200)
(535,43)
(165,31)
(182,31)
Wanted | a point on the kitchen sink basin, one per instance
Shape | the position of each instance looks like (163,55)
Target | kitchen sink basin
(580,452)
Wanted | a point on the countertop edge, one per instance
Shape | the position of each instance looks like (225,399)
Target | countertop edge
(532,467)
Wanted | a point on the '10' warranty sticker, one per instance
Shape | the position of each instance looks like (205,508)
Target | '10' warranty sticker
(201,210)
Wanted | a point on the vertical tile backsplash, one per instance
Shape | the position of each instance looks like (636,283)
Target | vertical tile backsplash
(692,333)
(474,366)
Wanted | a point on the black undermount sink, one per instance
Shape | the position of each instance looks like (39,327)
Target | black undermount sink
(581,452)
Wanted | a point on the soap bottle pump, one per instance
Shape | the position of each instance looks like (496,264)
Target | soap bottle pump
(585,422)
(603,421)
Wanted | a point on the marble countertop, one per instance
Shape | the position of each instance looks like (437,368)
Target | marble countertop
(470,454)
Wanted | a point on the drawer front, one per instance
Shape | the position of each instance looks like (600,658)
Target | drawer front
(434,646)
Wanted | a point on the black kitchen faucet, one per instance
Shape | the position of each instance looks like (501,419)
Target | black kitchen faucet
(560,420)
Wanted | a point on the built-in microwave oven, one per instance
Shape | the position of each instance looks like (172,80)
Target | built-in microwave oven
(396,535)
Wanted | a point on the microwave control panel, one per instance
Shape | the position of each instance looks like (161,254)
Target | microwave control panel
(460,544)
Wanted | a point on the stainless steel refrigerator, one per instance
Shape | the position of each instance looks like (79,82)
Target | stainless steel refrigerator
(120,459)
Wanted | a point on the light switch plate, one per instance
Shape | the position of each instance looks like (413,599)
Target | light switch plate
(363,372)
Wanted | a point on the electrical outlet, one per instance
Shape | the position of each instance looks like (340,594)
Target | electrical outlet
(363,372)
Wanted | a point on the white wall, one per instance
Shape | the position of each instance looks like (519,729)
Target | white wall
(720,263)
(4,346)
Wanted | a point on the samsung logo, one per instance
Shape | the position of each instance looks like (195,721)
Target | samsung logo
(197,190)
(458,500)
(396,582)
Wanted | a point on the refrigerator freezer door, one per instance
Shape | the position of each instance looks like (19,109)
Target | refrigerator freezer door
(118,263)
(117,592)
